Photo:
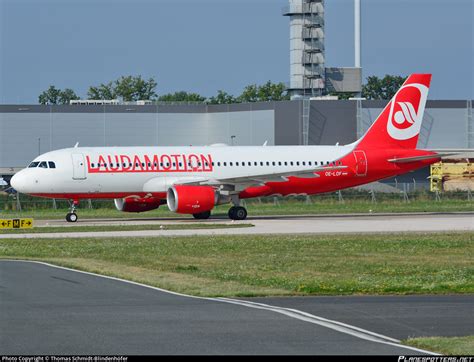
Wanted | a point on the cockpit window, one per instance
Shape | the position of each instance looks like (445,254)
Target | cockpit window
(33,164)
(43,164)
(51,164)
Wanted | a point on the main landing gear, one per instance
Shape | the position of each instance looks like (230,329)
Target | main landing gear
(71,215)
(237,213)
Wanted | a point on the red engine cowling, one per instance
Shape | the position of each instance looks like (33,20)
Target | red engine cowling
(191,199)
(137,204)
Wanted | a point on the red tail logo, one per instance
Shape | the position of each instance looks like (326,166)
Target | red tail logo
(406,111)
(399,124)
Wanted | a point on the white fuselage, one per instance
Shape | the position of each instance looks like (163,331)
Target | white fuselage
(128,170)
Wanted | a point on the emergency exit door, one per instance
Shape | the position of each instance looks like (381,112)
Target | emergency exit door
(361,163)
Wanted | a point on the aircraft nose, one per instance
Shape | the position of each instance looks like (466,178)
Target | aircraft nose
(18,181)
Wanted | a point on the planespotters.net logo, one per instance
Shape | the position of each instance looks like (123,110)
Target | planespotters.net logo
(435,359)
(406,111)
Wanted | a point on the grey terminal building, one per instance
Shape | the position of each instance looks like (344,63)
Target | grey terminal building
(29,130)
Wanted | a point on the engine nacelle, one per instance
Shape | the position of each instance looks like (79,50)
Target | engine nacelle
(191,199)
(137,204)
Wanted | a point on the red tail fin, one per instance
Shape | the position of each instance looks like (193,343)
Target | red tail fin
(399,124)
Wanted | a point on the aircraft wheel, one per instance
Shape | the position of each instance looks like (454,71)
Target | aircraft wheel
(202,215)
(71,217)
(237,213)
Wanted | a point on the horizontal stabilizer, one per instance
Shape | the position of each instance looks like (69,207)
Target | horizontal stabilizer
(420,158)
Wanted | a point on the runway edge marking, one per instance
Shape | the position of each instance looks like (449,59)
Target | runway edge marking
(292,313)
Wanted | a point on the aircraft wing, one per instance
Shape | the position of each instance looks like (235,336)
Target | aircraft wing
(263,178)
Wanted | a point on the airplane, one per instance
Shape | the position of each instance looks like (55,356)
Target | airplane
(193,180)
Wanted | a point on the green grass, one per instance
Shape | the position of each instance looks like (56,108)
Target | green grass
(412,263)
(325,204)
(95,228)
(457,346)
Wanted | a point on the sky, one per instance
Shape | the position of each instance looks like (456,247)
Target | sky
(208,45)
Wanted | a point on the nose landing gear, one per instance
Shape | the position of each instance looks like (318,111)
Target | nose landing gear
(71,215)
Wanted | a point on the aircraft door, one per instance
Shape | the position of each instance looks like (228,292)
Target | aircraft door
(361,163)
(78,166)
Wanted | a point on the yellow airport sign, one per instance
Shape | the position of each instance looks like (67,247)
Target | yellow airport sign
(16,223)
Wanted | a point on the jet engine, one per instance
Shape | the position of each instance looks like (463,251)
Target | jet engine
(138,204)
(192,199)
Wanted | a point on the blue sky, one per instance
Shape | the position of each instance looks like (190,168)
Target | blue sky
(203,46)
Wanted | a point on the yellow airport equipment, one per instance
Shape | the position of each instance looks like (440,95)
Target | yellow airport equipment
(16,223)
(452,175)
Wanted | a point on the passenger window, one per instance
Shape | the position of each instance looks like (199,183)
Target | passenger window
(297,163)
(250,163)
(236,163)
(268,163)
(291,163)
(255,163)
(261,163)
(279,163)
(309,163)
(51,164)
(225,163)
(218,164)
(286,163)
(92,165)
(43,165)
(304,163)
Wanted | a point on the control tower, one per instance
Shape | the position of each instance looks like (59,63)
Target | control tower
(307,72)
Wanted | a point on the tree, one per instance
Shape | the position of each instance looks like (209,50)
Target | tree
(250,94)
(103,91)
(128,88)
(267,92)
(384,88)
(181,97)
(144,90)
(54,95)
(49,96)
(272,92)
(67,95)
(223,98)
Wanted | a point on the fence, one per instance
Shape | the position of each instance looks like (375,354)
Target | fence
(397,193)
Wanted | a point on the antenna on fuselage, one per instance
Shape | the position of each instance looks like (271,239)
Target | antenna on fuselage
(76,145)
